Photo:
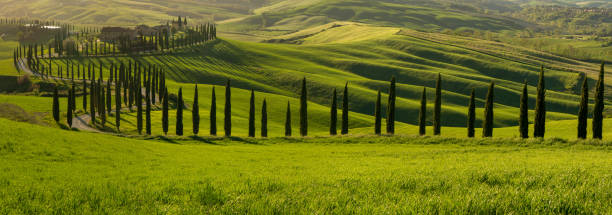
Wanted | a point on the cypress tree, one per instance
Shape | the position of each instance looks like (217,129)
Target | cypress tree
(345,111)
(252,115)
(304,110)
(423,113)
(391,108)
(118,105)
(92,100)
(179,113)
(228,110)
(264,119)
(438,106)
(583,113)
(540,108)
(73,98)
(195,112)
(148,114)
(377,115)
(487,125)
(101,103)
(333,124)
(213,113)
(165,112)
(524,115)
(56,114)
(599,106)
(138,102)
(471,114)
(69,112)
(288,120)
(84,95)
(109,98)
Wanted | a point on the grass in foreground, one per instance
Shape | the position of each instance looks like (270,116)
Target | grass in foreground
(48,170)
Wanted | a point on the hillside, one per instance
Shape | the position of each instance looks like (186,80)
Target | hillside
(328,60)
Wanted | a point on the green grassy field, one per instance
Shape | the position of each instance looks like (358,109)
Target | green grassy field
(46,170)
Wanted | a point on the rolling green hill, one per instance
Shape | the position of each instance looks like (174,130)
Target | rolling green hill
(415,58)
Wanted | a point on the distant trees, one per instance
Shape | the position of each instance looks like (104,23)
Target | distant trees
(391,107)
(599,105)
(487,126)
(437,106)
(345,111)
(524,113)
(333,124)
(583,112)
(540,108)
(423,113)
(304,110)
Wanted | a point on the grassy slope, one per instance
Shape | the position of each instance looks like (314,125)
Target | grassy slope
(123,12)
(383,13)
(47,170)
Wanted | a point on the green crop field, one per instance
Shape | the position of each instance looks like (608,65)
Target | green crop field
(268,47)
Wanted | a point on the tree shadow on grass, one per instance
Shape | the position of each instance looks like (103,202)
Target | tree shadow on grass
(166,139)
(204,140)
(244,140)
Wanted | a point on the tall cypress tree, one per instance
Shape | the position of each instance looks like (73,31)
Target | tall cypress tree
(148,114)
(423,113)
(228,110)
(304,110)
(56,111)
(487,125)
(101,103)
(138,102)
(524,115)
(84,95)
(109,98)
(377,115)
(288,120)
(471,114)
(73,98)
(118,105)
(438,106)
(165,112)
(69,112)
(195,112)
(333,123)
(391,108)
(264,119)
(252,115)
(92,102)
(599,106)
(179,113)
(583,113)
(213,113)
(345,111)
(540,108)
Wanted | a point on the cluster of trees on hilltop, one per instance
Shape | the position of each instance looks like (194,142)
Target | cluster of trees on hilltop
(153,83)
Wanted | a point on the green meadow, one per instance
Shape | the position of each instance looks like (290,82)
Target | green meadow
(45,170)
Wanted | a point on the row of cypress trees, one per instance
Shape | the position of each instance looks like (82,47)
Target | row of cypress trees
(487,126)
